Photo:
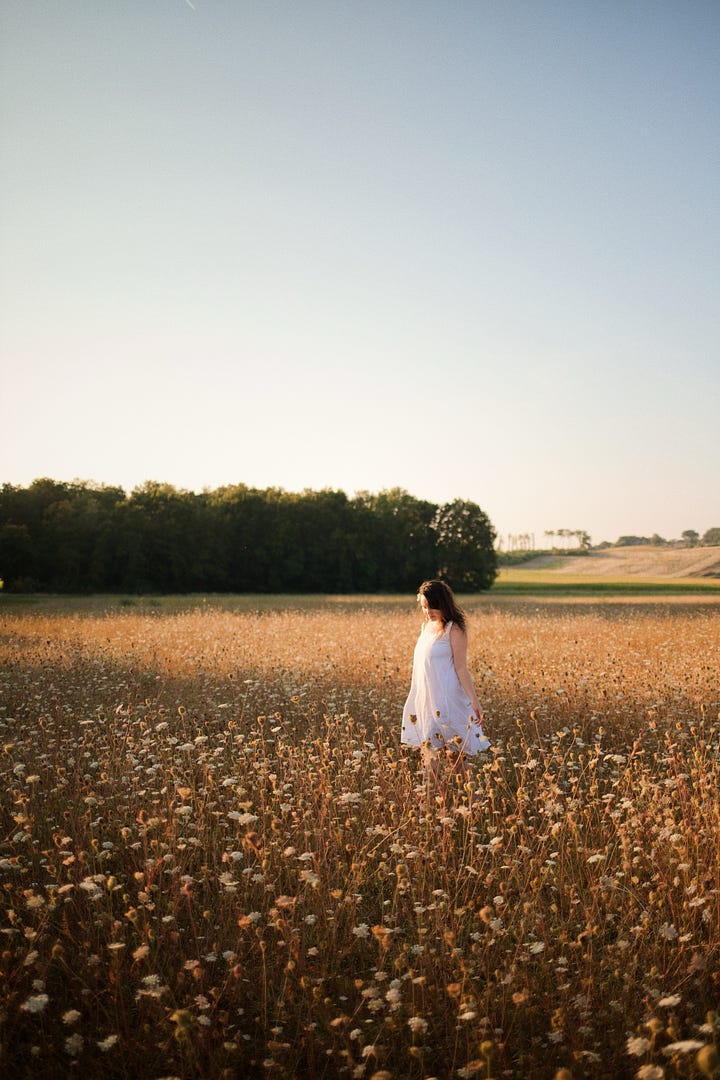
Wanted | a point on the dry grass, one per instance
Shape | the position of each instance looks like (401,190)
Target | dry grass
(644,561)
(217,861)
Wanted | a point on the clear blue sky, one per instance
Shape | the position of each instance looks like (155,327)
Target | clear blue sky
(464,247)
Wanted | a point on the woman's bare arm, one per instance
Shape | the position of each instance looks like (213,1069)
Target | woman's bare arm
(458,644)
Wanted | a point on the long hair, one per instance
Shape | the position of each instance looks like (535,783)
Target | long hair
(440,596)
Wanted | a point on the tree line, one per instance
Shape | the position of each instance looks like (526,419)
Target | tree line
(518,542)
(688,538)
(81,537)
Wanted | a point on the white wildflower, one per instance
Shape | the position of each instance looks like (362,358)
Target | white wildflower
(684,1046)
(349,798)
(637,1045)
(35,1004)
(74,1044)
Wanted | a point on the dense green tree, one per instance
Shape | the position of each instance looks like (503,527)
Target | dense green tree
(68,530)
(237,539)
(465,545)
(17,558)
(632,541)
(711,538)
(78,537)
(401,545)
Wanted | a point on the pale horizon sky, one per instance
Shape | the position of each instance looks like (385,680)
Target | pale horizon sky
(462,247)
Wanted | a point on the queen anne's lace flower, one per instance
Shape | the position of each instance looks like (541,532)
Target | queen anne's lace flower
(35,1004)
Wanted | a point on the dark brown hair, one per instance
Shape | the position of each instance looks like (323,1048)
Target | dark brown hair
(440,596)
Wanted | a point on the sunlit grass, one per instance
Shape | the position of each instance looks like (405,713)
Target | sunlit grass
(217,861)
(516,579)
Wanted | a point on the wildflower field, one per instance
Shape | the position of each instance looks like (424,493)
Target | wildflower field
(217,861)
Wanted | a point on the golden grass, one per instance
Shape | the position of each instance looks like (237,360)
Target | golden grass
(217,861)
(558,578)
(645,561)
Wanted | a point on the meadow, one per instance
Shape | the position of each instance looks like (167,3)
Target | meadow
(217,861)
(640,571)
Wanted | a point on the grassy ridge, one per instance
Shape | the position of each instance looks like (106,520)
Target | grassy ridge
(552,583)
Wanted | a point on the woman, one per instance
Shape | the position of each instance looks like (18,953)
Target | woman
(442,712)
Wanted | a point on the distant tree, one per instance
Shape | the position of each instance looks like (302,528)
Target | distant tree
(166,523)
(711,538)
(58,536)
(324,533)
(81,537)
(465,545)
(16,557)
(394,539)
(244,538)
(631,541)
(657,541)
(690,537)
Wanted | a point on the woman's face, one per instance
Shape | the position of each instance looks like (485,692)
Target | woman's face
(432,614)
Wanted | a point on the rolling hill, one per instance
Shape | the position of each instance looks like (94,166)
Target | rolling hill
(641,561)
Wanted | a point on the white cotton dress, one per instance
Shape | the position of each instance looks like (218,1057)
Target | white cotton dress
(438,713)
